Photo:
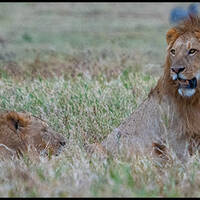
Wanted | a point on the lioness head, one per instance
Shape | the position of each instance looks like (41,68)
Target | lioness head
(184,56)
(21,133)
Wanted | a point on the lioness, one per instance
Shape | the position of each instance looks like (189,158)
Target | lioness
(21,133)
(170,117)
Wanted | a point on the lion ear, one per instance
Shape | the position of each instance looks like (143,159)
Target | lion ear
(17,119)
(171,35)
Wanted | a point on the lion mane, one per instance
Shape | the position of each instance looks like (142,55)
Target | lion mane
(165,121)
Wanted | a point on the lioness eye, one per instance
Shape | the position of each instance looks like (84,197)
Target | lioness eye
(192,51)
(172,51)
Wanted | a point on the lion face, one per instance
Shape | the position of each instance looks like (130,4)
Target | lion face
(21,133)
(184,57)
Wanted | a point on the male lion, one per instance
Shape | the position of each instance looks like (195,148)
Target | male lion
(21,133)
(170,117)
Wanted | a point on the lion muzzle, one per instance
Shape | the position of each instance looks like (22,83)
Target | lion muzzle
(189,84)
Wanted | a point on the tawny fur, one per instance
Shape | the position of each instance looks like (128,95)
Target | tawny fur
(165,120)
(22,133)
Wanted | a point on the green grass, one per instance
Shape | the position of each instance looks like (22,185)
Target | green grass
(84,68)
(93,106)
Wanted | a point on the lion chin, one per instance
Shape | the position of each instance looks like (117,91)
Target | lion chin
(185,92)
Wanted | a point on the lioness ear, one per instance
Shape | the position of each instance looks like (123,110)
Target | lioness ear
(171,35)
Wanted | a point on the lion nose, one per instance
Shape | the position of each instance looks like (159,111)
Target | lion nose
(177,69)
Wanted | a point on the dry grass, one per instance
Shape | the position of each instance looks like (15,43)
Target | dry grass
(84,68)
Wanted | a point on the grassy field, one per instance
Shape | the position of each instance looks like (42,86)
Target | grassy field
(84,68)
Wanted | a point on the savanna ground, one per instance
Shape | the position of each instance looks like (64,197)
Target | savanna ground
(84,68)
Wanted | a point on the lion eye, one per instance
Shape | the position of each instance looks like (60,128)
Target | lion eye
(172,51)
(192,51)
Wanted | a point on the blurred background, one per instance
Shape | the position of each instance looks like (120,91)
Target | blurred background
(34,36)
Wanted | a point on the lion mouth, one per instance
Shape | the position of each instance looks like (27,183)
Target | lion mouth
(187,83)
